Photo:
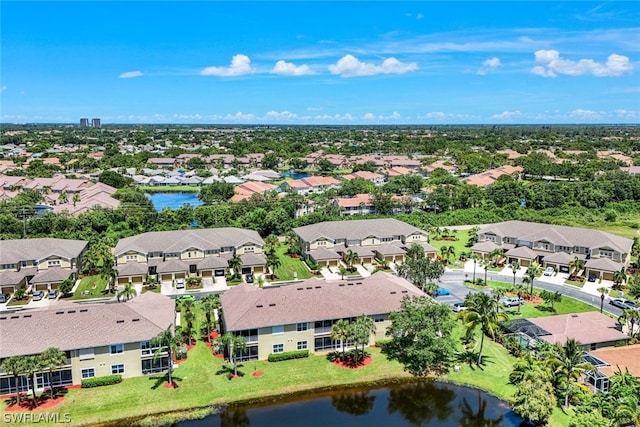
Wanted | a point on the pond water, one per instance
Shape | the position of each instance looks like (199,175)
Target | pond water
(419,403)
(173,200)
(295,175)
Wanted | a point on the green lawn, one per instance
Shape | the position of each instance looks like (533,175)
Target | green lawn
(459,245)
(17,302)
(90,287)
(290,265)
(529,310)
(575,283)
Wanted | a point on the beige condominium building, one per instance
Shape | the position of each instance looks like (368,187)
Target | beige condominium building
(300,316)
(170,255)
(556,246)
(98,339)
(328,243)
(41,263)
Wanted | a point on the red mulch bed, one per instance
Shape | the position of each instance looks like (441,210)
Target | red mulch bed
(350,363)
(170,385)
(257,374)
(190,347)
(44,402)
(234,377)
(534,300)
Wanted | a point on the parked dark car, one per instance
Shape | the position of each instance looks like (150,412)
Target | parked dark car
(592,278)
(53,294)
(4,297)
(37,295)
(249,278)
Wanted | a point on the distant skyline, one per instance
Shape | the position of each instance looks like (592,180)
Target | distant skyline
(321,63)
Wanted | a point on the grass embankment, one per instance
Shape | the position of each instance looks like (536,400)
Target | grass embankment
(290,265)
(529,310)
(90,287)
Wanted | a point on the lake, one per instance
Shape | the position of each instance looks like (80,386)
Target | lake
(173,200)
(419,403)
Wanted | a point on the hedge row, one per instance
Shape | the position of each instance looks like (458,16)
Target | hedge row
(287,355)
(100,381)
(383,342)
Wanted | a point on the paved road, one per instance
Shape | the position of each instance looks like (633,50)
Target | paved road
(453,281)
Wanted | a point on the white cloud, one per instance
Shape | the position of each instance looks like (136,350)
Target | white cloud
(507,115)
(550,64)
(131,74)
(3,88)
(284,68)
(488,65)
(350,66)
(281,115)
(240,65)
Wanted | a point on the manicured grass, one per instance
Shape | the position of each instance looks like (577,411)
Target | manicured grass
(459,245)
(90,287)
(17,302)
(528,310)
(290,265)
(574,283)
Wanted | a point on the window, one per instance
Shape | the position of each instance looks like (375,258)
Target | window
(116,349)
(321,243)
(377,318)
(88,373)
(147,349)
(278,348)
(302,345)
(606,254)
(387,239)
(131,257)
(249,249)
(117,369)
(301,327)
(85,353)
(54,263)
(277,330)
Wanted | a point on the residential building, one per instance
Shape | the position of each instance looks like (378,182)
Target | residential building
(610,360)
(556,246)
(327,243)
(170,255)
(376,178)
(98,339)
(41,263)
(310,185)
(300,316)
(489,177)
(245,190)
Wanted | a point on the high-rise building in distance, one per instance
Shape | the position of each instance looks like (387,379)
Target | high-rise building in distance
(84,123)
(95,123)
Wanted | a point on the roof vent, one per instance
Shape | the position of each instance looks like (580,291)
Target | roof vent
(71,311)
(309,287)
(574,315)
(259,306)
(404,292)
(299,289)
(26,315)
(135,320)
(59,312)
(349,284)
(15,317)
(393,292)
(119,321)
(358,283)
(318,287)
(340,284)
(3,318)
(84,310)
(272,305)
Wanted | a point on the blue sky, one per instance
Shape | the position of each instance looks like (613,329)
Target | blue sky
(504,62)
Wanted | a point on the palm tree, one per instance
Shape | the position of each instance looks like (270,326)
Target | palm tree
(127,292)
(108,272)
(515,266)
(630,317)
(519,289)
(569,365)
(76,199)
(532,272)
(576,265)
(210,304)
(14,366)
(485,263)
(169,342)
(235,344)
(273,262)
(32,365)
(341,331)
(363,327)
(235,264)
(474,257)
(415,252)
(497,294)
(481,310)
(64,197)
(52,359)
(351,258)
(618,278)
(271,242)
(603,291)
(451,253)
(343,271)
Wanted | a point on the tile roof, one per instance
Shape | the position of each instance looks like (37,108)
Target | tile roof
(181,240)
(69,326)
(627,357)
(248,307)
(586,328)
(356,229)
(56,274)
(13,251)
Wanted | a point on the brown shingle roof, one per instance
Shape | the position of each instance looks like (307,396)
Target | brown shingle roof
(586,328)
(249,307)
(627,357)
(70,327)
(356,229)
(13,251)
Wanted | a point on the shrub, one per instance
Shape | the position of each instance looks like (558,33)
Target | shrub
(100,381)
(383,342)
(287,355)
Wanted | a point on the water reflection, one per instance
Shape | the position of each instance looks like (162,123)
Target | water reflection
(419,403)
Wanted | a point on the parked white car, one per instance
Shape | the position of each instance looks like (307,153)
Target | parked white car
(549,271)
(511,301)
